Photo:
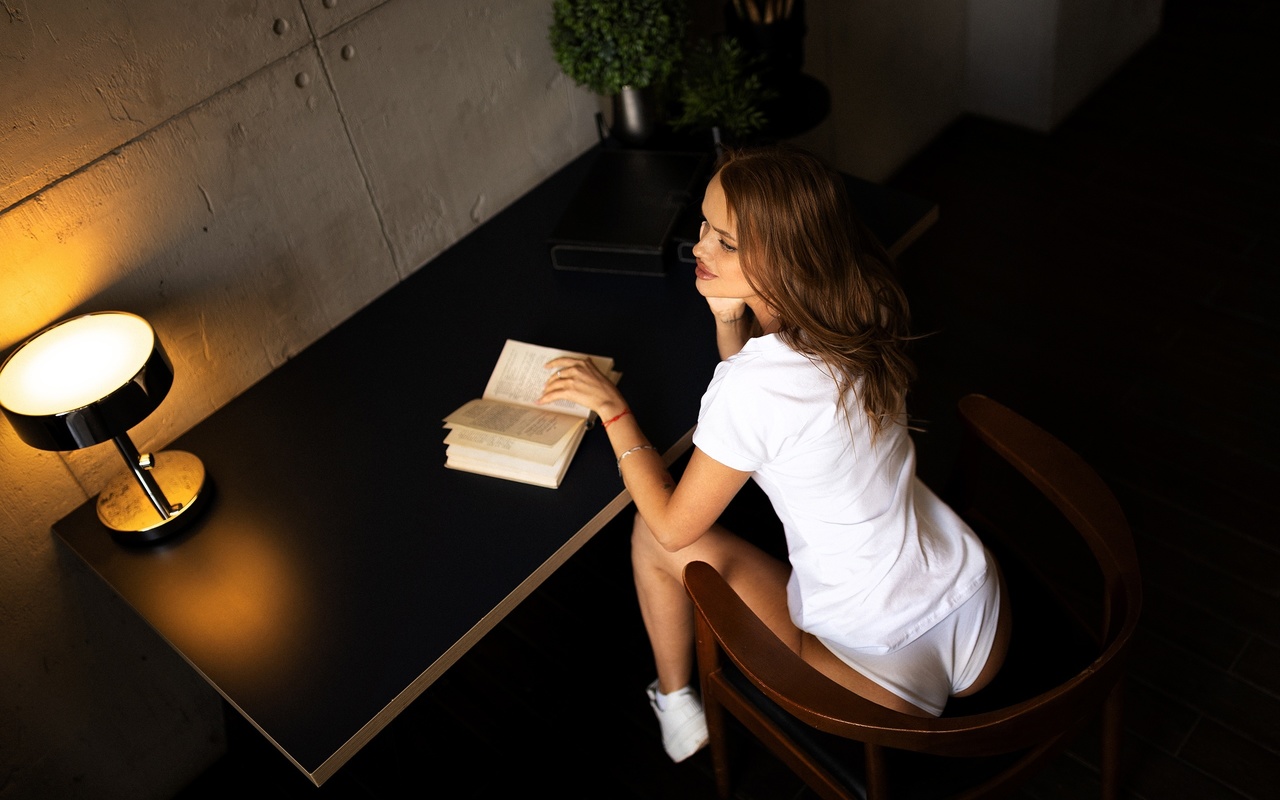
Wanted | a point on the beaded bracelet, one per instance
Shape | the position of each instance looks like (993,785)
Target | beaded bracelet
(632,450)
(625,412)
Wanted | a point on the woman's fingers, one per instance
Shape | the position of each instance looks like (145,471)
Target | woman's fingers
(561,383)
(563,369)
(727,309)
(578,381)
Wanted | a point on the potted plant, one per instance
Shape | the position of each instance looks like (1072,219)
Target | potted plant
(721,91)
(621,49)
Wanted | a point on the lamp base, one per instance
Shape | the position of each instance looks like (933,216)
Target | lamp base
(126,510)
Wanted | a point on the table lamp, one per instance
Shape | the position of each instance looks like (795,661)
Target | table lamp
(87,380)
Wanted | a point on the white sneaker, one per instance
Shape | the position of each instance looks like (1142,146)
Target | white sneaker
(684,726)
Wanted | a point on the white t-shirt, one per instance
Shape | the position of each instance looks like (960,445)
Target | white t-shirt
(876,557)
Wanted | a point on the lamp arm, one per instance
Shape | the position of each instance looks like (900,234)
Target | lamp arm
(140,466)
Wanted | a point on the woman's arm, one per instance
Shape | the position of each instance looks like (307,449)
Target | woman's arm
(678,514)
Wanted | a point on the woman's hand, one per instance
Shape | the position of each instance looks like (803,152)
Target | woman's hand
(735,323)
(727,309)
(579,381)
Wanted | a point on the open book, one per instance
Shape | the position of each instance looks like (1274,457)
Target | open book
(506,434)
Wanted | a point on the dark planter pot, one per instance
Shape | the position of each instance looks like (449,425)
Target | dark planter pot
(635,116)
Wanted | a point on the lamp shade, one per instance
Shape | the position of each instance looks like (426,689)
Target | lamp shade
(84,381)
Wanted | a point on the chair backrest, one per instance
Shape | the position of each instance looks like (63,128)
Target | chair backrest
(1072,486)
(1066,655)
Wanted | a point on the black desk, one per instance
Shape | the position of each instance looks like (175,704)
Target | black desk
(340,568)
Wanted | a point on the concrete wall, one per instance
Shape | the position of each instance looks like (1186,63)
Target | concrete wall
(248,174)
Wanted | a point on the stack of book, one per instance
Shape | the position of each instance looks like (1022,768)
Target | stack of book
(506,434)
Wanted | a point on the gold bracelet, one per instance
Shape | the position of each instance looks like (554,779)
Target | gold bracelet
(632,450)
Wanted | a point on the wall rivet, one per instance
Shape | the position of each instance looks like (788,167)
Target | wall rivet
(302,80)
(348,52)
(281,27)
(330,3)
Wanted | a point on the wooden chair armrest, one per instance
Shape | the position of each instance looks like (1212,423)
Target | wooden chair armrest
(781,674)
(813,698)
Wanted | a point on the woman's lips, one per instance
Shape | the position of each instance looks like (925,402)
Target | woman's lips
(702,272)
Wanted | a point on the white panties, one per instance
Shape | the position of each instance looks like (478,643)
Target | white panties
(942,661)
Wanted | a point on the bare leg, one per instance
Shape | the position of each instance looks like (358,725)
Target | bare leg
(759,578)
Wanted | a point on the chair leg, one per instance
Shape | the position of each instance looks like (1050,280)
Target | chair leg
(718,743)
(708,660)
(1112,733)
(877,773)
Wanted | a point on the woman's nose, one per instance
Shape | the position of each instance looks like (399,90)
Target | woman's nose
(702,234)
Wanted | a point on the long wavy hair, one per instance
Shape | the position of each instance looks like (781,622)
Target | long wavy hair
(826,278)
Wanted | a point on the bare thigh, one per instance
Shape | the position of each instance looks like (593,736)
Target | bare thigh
(758,578)
(761,581)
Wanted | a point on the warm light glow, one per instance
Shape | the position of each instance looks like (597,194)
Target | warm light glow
(241,605)
(75,363)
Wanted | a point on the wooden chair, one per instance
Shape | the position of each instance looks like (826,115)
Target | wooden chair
(1075,593)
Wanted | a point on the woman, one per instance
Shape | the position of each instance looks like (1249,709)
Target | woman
(885,589)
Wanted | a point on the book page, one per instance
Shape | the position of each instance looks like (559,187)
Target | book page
(474,439)
(521,373)
(515,469)
(530,424)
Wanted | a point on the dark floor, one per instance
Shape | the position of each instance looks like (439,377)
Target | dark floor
(1117,281)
